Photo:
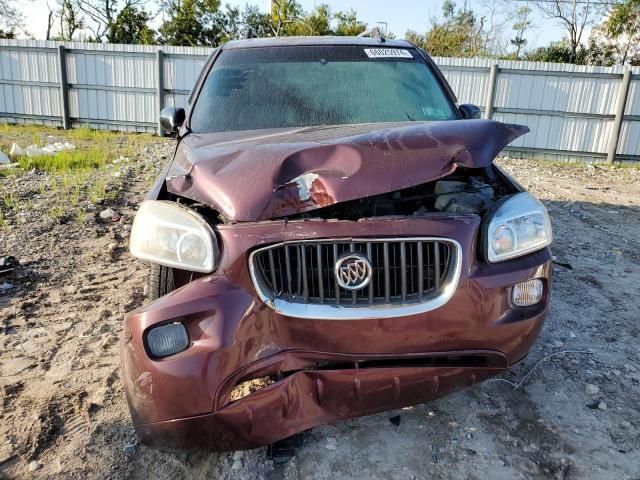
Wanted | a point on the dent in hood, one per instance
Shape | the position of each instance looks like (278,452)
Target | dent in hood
(294,171)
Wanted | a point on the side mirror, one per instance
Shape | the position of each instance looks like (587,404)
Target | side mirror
(171,118)
(469,111)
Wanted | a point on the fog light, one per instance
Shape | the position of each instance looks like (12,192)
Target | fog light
(527,293)
(167,340)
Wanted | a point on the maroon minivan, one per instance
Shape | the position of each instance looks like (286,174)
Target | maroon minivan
(330,240)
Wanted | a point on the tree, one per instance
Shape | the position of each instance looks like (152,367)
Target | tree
(594,53)
(317,22)
(284,15)
(202,22)
(10,19)
(574,15)
(50,21)
(288,18)
(70,20)
(414,37)
(131,25)
(226,25)
(521,25)
(258,22)
(348,24)
(189,22)
(597,53)
(622,27)
(102,15)
(459,34)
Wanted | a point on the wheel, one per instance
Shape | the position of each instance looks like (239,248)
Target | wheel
(160,281)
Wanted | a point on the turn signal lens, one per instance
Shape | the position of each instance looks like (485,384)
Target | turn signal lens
(527,293)
(167,340)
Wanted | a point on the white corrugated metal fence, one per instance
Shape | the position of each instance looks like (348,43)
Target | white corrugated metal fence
(573,111)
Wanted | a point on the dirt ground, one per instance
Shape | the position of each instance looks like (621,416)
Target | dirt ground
(577,415)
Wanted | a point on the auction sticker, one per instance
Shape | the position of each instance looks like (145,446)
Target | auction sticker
(387,53)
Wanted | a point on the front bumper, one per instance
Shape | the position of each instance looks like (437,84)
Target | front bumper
(324,370)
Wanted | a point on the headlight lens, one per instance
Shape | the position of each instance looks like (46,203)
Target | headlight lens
(170,234)
(520,225)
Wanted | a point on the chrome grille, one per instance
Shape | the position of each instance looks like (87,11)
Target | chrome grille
(404,271)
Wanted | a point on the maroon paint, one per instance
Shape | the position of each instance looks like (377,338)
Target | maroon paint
(251,176)
(307,399)
(183,400)
(256,177)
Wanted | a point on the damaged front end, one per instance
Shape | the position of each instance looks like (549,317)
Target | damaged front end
(351,274)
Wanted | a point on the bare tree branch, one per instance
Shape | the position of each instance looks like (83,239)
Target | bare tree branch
(574,15)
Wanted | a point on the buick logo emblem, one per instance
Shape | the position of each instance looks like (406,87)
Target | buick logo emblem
(353,271)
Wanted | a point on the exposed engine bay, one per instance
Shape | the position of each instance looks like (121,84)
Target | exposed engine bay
(467,190)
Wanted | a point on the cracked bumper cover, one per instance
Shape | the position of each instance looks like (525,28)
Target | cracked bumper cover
(328,369)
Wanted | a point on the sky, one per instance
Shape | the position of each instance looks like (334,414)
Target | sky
(400,15)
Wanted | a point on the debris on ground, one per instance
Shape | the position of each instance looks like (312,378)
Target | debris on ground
(592,389)
(107,214)
(395,420)
(129,449)
(7,166)
(7,264)
(36,151)
(332,443)
(4,159)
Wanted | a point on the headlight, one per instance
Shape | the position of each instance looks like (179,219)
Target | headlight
(518,226)
(175,236)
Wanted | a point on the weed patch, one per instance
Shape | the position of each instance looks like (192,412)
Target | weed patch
(94,148)
(66,160)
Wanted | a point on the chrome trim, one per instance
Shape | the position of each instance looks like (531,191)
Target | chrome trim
(345,311)
(337,271)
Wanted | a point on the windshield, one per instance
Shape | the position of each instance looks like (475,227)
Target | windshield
(280,87)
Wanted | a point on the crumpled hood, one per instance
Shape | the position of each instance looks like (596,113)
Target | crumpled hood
(251,176)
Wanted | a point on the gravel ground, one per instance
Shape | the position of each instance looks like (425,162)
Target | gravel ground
(575,415)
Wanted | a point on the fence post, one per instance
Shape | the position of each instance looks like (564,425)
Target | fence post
(64,86)
(621,104)
(160,93)
(491,91)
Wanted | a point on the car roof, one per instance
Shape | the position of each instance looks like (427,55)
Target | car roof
(316,41)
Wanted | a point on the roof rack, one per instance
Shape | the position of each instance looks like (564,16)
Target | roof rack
(374,32)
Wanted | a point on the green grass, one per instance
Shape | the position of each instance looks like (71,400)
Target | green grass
(87,134)
(94,148)
(64,161)
(57,212)
(81,216)
(9,172)
(73,177)
(9,200)
(79,159)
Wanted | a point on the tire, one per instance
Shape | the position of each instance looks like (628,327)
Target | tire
(160,281)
